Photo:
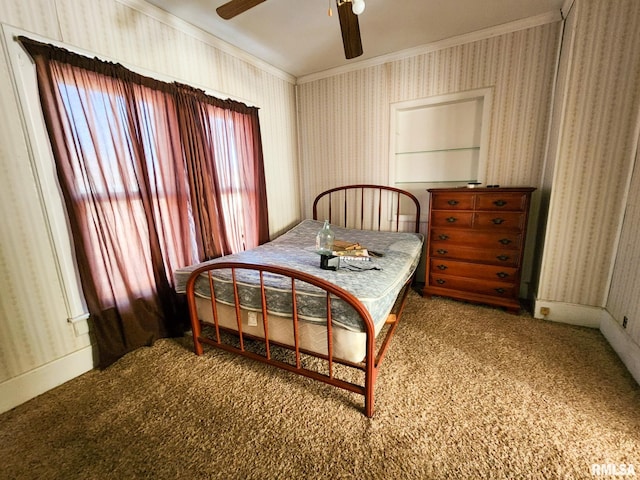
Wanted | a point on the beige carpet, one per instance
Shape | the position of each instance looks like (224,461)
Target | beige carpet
(465,392)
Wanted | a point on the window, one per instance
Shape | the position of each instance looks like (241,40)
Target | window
(110,176)
(155,176)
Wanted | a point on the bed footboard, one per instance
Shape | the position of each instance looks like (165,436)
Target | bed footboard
(216,332)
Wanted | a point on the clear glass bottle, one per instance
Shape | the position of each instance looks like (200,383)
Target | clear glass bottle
(324,239)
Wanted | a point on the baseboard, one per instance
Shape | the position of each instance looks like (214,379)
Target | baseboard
(626,348)
(571,313)
(595,317)
(22,388)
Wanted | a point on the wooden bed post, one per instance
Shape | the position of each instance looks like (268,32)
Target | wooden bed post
(371,372)
(193,314)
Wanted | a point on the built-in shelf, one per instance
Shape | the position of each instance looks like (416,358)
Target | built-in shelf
(439,140)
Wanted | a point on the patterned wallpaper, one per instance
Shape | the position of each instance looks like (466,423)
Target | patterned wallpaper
(596,148)
(344,131)
(345,118)
(152,42)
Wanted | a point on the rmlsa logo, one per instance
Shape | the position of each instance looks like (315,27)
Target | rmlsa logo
(613,469)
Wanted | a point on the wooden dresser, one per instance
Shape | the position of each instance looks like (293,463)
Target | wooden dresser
(475,244)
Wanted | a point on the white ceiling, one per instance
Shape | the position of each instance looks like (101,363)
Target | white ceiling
(299,37)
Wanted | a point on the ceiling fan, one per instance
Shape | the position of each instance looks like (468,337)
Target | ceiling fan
(348,11)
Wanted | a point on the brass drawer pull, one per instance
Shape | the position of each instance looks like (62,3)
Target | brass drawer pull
(442,251)
(440,281)
(499,203)
(503,258)
(453,202)
(502,274)
(500,290)
(452,219)
(505,241)
(498,221)
(442,267)
(443,237)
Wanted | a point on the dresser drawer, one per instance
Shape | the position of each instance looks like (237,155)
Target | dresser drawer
(474,270)
(452,201)
(502,201)
(477,238)
(453,219)
(508,258)
(484,287)
(499,220)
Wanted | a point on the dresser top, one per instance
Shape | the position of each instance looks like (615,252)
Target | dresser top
(482,189)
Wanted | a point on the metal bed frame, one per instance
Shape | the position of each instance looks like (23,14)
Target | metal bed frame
(386,201)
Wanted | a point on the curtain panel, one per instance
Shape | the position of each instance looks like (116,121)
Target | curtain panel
(228,191)
(155,176)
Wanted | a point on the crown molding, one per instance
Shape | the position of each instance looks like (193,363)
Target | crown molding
(478,35)
(189,29)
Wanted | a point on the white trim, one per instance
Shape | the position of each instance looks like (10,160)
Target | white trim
(80,324)
(25,89)
(20,389)
(83,317)
(570,313)
(483,34)
(623,344)
(564,49)
(554,93)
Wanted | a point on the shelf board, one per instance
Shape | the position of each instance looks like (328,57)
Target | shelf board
(439,150)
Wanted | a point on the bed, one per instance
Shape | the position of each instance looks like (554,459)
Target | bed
(276,298)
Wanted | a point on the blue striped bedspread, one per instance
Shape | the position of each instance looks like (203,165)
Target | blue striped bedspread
(376,283)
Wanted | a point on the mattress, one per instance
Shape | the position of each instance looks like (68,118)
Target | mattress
(376,283)
(347,345)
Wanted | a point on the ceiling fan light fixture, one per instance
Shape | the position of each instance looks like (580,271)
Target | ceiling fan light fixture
(357,6)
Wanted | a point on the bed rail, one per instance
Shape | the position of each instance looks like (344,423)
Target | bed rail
(346,205)
(372,359)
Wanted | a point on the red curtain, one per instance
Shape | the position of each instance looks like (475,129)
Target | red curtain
(155,176)
(227,183)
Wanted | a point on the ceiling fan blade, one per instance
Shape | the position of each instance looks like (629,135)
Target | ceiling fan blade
(350,30)
(236,7)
